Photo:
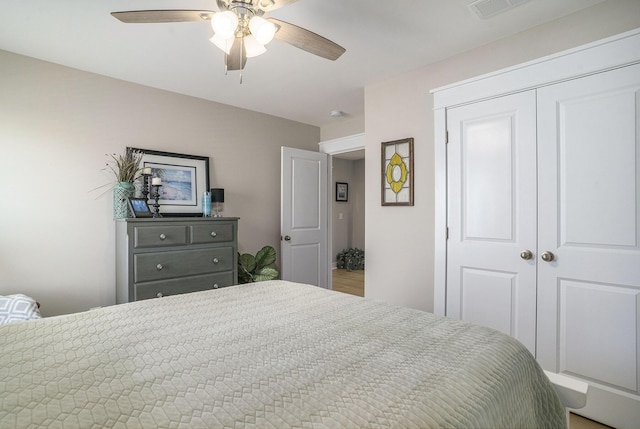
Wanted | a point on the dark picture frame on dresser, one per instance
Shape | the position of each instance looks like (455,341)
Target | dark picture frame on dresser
(184,179)
(139,207)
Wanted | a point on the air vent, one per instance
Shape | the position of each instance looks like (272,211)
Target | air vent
(488,8)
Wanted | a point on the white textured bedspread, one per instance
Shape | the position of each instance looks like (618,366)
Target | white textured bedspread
(267,355)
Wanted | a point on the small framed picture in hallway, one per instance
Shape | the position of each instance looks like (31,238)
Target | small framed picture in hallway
(342,191)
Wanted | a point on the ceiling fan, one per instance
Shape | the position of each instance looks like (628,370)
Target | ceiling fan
(241,30)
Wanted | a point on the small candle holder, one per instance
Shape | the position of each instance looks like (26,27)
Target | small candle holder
(156,196)
(145,186)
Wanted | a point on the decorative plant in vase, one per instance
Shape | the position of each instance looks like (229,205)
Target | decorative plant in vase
(126,169)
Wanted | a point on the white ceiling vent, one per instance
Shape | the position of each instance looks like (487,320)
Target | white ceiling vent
(488,8)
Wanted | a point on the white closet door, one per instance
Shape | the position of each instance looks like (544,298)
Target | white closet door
(492,215)
(589,218)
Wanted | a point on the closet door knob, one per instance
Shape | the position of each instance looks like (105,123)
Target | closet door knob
(213,234)
(287,238)
(526,255)
(159,267)
(547,256)
(216,260)
(162,236)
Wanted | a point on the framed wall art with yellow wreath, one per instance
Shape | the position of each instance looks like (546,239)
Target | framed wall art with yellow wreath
(397,173)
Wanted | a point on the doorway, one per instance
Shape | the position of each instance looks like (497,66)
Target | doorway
(347,226)
(347,218)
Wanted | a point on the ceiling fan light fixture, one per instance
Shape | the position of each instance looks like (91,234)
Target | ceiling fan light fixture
(262,29)
(252,47)
(224,44)
(224,24)
(265,4)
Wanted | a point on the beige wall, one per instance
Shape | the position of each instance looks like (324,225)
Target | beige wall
(342,127)
(348,231)
(399,240)
(357,193)
(57,124)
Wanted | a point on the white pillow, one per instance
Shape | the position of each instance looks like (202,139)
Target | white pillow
(16,308)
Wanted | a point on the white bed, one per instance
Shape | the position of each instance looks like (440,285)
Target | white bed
(267,355)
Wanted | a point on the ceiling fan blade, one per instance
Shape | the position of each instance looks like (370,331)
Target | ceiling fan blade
(156,16)
(237,57)
(269,5)
(307,40)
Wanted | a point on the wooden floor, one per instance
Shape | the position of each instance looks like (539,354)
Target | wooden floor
(579,422)
(349,281)
(352,282)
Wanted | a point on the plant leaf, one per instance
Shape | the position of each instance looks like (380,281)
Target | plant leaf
(248,262)
(243,275)
(266,274)
(265,257)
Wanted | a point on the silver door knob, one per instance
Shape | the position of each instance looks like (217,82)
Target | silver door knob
(526,255)
(213,234)
(215,286)
(216,260)
(162,236)
(159,295)
(547,256)
(287,238)
(159,267)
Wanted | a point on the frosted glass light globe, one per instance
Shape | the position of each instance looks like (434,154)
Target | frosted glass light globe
(224,24)
(262,29)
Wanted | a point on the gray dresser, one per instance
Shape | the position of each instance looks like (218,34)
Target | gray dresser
(168,256)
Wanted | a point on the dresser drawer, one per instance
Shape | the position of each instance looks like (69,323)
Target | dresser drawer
(183,285)
(167,265)
(213,232)
(155,236)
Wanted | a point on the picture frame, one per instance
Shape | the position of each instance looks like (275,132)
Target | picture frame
(139,207)
(184,179)
(342,191)
(397,173)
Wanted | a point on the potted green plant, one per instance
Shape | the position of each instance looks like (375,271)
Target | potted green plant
(350,259)
(126,168)
(257,268)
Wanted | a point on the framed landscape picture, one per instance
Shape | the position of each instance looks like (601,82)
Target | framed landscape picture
(184,179)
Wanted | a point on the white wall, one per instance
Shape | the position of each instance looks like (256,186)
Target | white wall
(399,240)
(56,125)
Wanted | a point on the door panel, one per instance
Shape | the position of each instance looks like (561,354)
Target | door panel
(304,211)
(617,307)
(496,287)
(589,212)
(492,214)
(487,178)
(303,256)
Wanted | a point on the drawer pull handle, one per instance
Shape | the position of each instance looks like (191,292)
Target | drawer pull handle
(214,234)
(159,295)
(162,236)
(216,260)
(159,267)
(215,286)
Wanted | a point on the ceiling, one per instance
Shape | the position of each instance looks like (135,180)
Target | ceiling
(382,38)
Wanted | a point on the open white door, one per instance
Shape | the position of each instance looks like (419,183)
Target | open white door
(304,219)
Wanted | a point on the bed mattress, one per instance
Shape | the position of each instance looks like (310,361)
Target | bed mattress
(267,355)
